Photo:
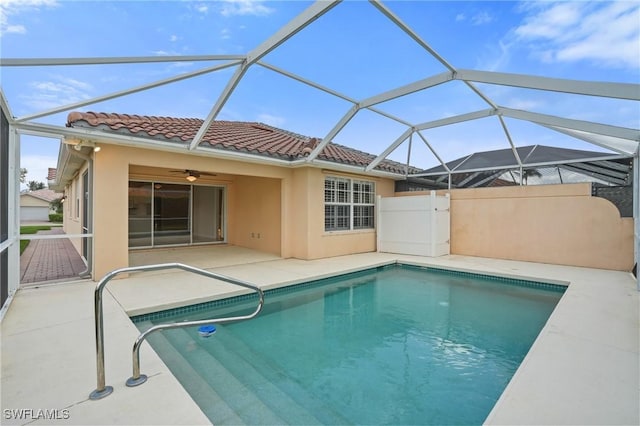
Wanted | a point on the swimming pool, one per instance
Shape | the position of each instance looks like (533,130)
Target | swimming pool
(395,345)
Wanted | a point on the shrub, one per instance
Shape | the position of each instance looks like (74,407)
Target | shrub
(55,217)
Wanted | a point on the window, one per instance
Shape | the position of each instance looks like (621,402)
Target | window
(348,204)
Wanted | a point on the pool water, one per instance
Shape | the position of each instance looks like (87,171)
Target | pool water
(397,345)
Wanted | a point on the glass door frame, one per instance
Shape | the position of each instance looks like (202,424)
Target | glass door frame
(223,212)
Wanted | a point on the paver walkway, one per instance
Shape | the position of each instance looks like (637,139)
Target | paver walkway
(50,259)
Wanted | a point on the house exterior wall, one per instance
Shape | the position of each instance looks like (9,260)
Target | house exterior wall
(274,209)
(72,208)
(32,208)
(320,244)
(556,224)
(27,200)
(254,216)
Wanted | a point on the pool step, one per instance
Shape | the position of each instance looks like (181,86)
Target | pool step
(276,387)
(200,391)
(247,408)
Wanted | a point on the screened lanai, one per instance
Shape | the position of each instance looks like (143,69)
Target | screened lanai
(385,78)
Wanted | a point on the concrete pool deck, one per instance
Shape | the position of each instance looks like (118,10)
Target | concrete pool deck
(582,369)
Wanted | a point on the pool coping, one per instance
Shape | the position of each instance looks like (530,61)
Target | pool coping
(519,281)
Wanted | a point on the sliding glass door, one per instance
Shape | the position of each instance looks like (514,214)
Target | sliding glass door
(164,214)
(171,218)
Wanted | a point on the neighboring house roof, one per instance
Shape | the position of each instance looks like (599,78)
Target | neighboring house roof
(529,155)
(43,194)
(248,137)
(487,168)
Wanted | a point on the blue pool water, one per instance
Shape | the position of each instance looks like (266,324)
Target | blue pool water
(398,345)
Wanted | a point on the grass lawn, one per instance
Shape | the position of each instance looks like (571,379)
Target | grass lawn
(30,230)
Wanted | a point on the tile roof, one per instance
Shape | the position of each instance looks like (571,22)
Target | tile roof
(44,194)
(248,137)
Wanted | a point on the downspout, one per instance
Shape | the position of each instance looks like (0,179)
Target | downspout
(87,272)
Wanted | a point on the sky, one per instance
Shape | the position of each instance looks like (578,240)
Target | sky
(353,49)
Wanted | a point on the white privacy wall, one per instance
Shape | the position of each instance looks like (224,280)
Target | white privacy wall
(417,225)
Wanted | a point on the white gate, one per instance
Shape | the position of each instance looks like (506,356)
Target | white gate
(417,225)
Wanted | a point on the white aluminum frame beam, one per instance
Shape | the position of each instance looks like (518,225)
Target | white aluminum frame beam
(37,62)
(621,146)
(333,132)
(126,92)
(585,126)
(416,86)
(636,215)
(591,88)
(328,90)
(5,107)
(433,151)
(508,135)
(389,150)
(296,25)
(475,115)
(407,30)
(306,81)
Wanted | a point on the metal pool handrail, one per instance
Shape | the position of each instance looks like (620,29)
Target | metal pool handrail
(102,390)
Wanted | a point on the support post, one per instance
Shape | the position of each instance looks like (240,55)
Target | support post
(636,214)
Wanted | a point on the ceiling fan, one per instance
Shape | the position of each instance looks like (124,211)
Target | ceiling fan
(192,175)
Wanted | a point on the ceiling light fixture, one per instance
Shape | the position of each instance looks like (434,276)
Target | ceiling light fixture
(191,178)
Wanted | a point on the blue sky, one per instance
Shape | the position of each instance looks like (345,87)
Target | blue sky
(352,49)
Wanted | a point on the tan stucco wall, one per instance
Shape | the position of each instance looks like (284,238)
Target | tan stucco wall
(321,244)
(253,203)
(557,224)
(30,201)
(254,214)
(72,209)
(283,206)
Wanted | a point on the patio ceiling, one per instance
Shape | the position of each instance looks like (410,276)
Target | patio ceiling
(617,140)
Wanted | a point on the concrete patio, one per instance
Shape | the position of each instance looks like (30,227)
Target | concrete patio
(582,369)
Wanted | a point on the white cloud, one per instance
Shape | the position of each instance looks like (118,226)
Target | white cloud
(244,7)
(460,17)
(606,33)
(13,29)
(272,120)
(15,7)
(173,38)
(37,167)
(56,92)
(202,8)
(225,34)
(481,18)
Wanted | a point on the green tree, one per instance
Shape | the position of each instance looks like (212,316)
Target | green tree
(57,205)
(527,173)
(35,185)
(23,174)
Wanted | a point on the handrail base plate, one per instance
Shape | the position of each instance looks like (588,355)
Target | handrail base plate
(99,394)
(131,382)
